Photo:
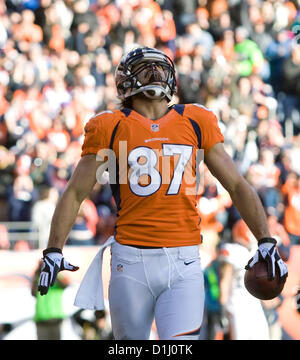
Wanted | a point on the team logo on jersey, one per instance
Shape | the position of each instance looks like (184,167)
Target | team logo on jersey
(155,127)
(120,267)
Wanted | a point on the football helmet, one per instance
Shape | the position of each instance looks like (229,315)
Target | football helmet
(145,70)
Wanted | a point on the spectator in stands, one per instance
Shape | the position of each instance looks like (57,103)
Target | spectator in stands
(84,229)
(165,32)
(189,89)
(270,309)
(277,51)
(218,19)
(241,97)
(291,86)
(261,37)
(184,14)
(249,58)
(212,311)
(291,192)
(4,241)
(280,234)
(7,164)
(201,39)
(21,196)
(26,31)
(266,176)
(105,224)
(42,212)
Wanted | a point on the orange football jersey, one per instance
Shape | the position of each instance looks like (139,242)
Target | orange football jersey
(155,171)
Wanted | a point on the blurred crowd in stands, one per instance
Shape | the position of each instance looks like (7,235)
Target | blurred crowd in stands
(57,59)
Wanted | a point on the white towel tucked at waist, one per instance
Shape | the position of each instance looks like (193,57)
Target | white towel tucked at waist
(90,293)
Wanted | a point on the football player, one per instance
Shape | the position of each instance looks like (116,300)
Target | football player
(155,266)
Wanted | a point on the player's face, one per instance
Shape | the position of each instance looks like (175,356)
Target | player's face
(150,73)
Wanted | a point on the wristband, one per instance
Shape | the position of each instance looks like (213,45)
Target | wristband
(51,249)
(267,240)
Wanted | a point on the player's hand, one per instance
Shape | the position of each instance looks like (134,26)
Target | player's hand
(53,263)
(268,252)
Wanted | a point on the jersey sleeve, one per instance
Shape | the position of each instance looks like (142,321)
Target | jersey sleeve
(96,135)
(208,122)
(211,132)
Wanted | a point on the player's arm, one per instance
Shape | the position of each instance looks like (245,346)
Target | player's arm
(249,206)
(78,188)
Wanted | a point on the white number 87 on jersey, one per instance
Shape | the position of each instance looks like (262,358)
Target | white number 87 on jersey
(147,168)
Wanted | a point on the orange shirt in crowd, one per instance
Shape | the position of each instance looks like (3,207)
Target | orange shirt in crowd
(3,105)
(156,201)
(210,207)
(31,33)
(264,177)
(110,13)
(216,8)
(292,210)
(241,233)
(227,46)
(57,41)
(148,12)
(276,229)
(91,215)
(4,240)
(59,138)
(166,30)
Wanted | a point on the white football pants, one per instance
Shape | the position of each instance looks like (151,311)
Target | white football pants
(165,284)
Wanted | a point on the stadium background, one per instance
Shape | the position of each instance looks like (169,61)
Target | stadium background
(57,60)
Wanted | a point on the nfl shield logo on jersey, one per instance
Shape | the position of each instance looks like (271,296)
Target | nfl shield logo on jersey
(155,127)
(120,267)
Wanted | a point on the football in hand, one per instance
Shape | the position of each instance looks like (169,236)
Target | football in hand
(257,283)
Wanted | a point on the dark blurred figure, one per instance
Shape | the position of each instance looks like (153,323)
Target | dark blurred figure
(277,52)
(21,196)
(94,326)
(213,307)
(291,86)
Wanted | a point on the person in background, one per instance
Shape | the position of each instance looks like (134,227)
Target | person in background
(213,308)
(49,311)
(21,196)
(270,309)
(249,58)
(84,229)
(291,192)
(42,212)
(4,239)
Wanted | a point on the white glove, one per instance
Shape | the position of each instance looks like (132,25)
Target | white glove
(53,263)
(267,252)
